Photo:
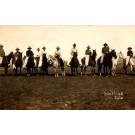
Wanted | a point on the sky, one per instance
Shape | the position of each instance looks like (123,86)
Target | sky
(117,37)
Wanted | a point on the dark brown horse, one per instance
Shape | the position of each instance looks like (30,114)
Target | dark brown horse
(44,66)
(107,63)
(17,63)
(6,61)
(74,65)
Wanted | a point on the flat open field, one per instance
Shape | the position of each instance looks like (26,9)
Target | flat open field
(83,92)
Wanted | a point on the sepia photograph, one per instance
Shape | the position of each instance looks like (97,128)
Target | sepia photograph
(67,67)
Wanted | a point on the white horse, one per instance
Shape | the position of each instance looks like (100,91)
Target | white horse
(130,64)
(55,64)
(115,62)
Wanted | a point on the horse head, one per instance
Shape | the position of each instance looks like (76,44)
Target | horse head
(10,56)
(113,54)
(75,55)
(94,53)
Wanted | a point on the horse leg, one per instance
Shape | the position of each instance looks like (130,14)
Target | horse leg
(64,73)
(94,71)
(74,71)
(77,71)
(16,70)
(28,71)
(32,71)
(81,70)
(85,70)
(126,69)
(110,71)
(99,69)
(35,70)
(71,70)
(106,70)
(55,72)
(46,71)
(20,70)
(6,70)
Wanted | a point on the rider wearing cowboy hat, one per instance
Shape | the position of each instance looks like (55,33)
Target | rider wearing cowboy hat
(43,50)
(38,60)
(29,53)
(88,55)
(57,54)
(38,52)
(129,56)
(73,50)
(105,50)
(17,53)
(2,53)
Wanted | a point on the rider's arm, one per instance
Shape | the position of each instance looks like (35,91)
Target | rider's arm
(77,52)
(71,52)
(86,52)
(60,55)
(102,50)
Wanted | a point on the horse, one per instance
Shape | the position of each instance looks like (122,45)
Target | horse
(17,63)
(91,63)
(30,65)
(6,61)
(74,65)
(83,66)
(55,62)
(45,64)
(131,65)
(107,62)
(115,62)
(36,61)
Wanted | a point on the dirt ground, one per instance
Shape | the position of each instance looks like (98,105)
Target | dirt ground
(67,93)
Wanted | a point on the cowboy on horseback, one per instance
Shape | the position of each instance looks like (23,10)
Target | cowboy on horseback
(38,58)
(29,53)
(38,53)
(88,54)
(57,54)
(105,51)
(72,52)
(17,53)
(2,53)
(43,50)
(129,59)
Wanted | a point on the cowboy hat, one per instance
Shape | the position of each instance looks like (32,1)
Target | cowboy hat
(57,47)
(105,44)
(74,44)
(129,48)
(1,45)
(29,47)
(17,48)
(44,47)
(88,46)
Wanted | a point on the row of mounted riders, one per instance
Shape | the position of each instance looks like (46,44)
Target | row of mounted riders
(32,67)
